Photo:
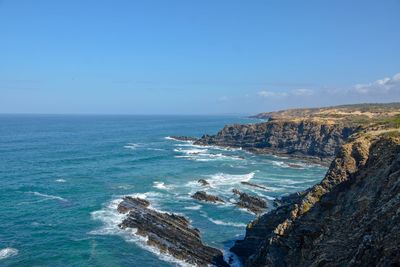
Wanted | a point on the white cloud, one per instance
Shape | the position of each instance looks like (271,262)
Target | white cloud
(296,92)
(268,94)
(302,92)
(382,86)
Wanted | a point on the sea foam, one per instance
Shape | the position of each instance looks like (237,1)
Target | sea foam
(48,196)
(8,252)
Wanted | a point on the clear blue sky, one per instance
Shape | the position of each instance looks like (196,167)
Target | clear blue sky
(195,57)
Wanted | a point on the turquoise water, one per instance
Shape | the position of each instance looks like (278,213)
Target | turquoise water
(62,176)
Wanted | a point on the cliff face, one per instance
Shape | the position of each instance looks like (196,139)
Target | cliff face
(351,218)
(303,138)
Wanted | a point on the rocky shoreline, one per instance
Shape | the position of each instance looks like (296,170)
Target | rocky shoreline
(350,218)
(170,233)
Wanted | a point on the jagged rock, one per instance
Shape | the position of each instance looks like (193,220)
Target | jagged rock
(170,233)
(203,196)
(306,139)
(255,185)
(351,218)
(203,182)
(252,203)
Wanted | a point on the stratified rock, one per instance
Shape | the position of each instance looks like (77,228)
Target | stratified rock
(254,204)
(203,196)
(351,218)
(203,182)
(306,139)
(255,185)
(184,138)
(169,233)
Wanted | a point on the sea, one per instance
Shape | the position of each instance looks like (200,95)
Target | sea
(62,177)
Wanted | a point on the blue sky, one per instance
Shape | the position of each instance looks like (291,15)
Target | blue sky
(196,57)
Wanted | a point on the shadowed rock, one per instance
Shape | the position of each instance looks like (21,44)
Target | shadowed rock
(255,185)
(203,182)
(203,196)
(351,218)
(170,233)
(252,203)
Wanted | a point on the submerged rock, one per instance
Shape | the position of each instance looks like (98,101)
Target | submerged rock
(254,204)
(203,182)
(170,233)
(255,185)
(203,196)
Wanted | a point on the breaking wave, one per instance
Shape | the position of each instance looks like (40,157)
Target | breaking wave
(8,252)
(48,196)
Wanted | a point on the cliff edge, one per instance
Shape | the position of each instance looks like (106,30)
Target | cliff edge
(351,218)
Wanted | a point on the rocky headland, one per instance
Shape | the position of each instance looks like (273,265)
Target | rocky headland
(350,218)
(314,135)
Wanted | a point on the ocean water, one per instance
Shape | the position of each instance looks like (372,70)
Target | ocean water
(61,178)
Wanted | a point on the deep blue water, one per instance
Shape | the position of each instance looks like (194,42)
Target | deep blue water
(62,176)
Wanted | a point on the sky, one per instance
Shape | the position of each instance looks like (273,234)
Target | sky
(196,57)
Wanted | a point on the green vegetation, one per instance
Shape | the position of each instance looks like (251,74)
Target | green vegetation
(392,122)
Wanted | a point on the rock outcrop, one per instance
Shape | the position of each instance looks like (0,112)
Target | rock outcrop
(170,233)
(203,196)
(203,182)
(351,218)
(255,185)
(298,138)
(254,204)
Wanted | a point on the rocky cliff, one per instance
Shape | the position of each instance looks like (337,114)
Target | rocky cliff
(351,218)
(302,138)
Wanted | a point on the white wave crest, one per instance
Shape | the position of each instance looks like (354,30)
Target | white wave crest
(48,196)
(60,180)
(219,222)
(203,155)
(189,142)
(195,207)
(193,151)
(162,185)
(279,164)
(132,146)
(8,252)
(219,179)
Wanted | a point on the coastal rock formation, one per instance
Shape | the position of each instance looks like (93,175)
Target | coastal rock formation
(203,196)
(252,203)
(302,138)
(203,182)
(351,218)
(170,233)
(255,185)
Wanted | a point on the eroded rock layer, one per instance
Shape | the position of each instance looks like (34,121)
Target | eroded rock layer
(170,233)
(351,218)
(303,138)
